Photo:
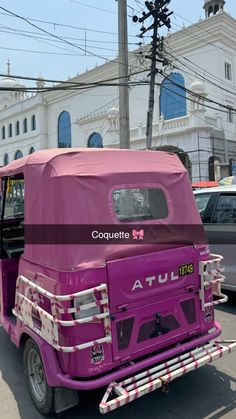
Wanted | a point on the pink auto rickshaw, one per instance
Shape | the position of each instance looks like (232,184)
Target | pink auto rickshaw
(105,277)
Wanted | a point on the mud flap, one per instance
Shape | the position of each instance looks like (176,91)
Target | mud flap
(119,394)
(64,398)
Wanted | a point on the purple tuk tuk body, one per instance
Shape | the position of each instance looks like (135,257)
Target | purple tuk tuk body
(147,302)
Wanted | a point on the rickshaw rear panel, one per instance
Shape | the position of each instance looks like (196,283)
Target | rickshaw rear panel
(151,305)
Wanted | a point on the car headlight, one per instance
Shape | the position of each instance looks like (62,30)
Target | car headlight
(88,311)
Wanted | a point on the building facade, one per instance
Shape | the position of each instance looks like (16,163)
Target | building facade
(194,108)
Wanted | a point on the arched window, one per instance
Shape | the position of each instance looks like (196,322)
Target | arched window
(33,123)
(95,140)
(173,97)
(18,154)
(64,130)
(32,150)
(25,125)
(17,127)
(232,167)
(10,130)
(6,159)
(211,168)
(214,168)
(210,11)
(3,132)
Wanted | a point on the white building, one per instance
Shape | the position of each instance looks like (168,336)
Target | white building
(202,132)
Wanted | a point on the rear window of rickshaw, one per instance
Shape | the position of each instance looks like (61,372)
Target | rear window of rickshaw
(14,204)
(139,204)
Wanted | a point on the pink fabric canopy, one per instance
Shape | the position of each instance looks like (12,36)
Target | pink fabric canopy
(75,186)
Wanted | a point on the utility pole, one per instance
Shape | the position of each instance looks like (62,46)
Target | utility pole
(123,75)
(159,12)
(152,82)
(199,160)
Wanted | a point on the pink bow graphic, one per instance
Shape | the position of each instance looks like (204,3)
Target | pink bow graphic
(138,235)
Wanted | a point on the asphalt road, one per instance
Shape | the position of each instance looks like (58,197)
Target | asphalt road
(209,392)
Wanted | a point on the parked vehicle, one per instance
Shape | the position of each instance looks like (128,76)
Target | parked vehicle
(204,184)
(102,281)
(217,207)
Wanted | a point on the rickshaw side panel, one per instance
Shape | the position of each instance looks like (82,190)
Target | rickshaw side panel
(79,363)
(8,276)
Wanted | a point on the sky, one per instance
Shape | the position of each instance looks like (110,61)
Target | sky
(87,28)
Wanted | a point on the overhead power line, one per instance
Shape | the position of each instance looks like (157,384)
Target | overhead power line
(21,31)
(93,7)
(206,42)
(63,25)
(74,86)
(69,88)
(196,71)
(197,116)
(33,51)
(197,66)
(51,34)
(198,96)
(58,37)
(70,81)
(203,31)
(160,16)
(43,40)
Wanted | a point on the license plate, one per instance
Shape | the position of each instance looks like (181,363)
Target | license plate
(186,269)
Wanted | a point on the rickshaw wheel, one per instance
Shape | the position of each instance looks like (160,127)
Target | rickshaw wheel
(40,392)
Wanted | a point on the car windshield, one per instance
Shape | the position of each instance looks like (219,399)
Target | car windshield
(202,201)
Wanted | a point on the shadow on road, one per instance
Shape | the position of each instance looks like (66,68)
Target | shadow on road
(11,368)
(230,306)
(207,392)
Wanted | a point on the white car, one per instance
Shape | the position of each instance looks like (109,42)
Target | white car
(217,207)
